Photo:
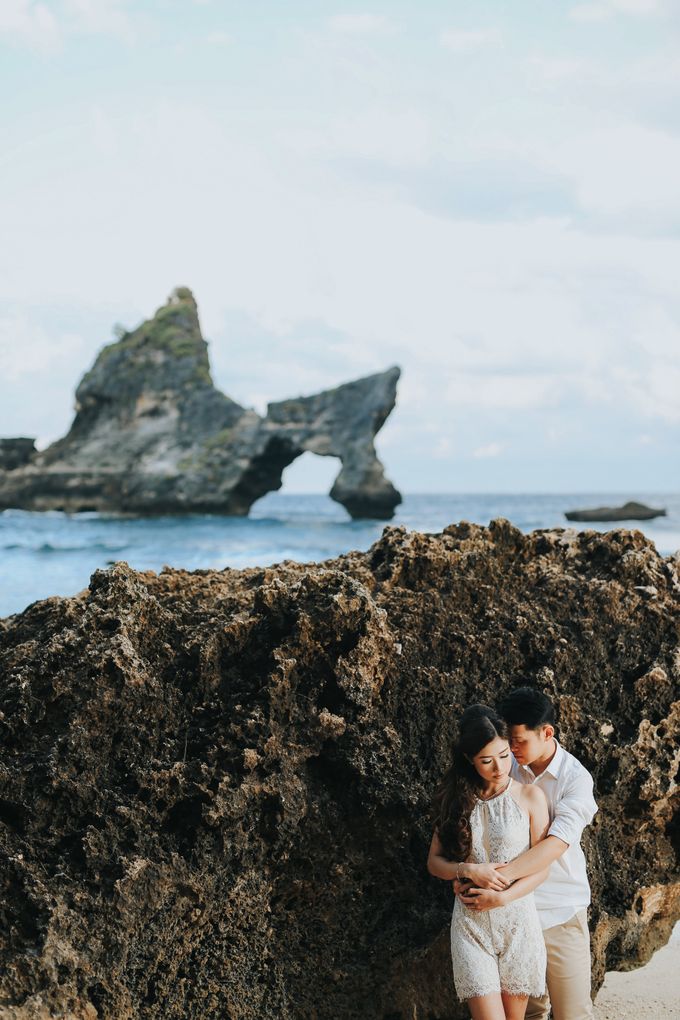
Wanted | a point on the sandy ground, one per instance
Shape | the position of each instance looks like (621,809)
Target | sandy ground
(650,992)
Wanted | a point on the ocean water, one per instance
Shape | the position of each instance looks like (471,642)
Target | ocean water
(43,554)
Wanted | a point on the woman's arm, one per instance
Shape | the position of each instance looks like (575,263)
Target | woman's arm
(483,875)
(437,863)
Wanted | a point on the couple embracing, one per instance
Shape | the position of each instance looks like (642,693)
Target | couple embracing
(509,814)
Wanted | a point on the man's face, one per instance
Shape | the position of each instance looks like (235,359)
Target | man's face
(530,745)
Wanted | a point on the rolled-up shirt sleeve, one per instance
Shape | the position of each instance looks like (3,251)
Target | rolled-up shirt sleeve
(575,809)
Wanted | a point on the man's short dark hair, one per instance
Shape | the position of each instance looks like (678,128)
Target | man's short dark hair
(526,706)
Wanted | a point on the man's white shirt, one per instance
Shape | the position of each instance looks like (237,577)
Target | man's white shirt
(568,787)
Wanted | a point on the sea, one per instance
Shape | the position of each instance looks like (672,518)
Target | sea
(54,553)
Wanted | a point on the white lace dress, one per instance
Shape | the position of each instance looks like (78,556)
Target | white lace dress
(500,949)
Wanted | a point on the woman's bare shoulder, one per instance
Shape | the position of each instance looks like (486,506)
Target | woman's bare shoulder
(532,794)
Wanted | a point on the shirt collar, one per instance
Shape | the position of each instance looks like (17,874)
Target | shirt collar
(555,765)
(557,760)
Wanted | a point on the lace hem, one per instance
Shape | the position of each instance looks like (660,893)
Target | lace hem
(514,993)
(533,993)
(465,994)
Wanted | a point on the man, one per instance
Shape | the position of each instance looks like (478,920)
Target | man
(563,898)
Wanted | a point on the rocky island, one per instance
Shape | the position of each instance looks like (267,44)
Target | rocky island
(631,511)
(215,786)
(153,435)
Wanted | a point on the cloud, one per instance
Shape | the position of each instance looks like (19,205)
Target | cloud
(487,451)
(31,23)
(104,133)
(603,10)
(625,176)
(46,24)
(27,349)
(391,137)
(615,176)
(358,24)
(443,449)
(653,390)
(515,391)
(591,12)
(557,69)
(100,17)
(219,38)
(467,41)
(470,188)
(642,7)
(520,315)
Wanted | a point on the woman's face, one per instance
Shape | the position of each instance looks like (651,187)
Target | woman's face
(493,762)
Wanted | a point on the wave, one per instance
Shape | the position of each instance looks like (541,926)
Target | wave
(49,547)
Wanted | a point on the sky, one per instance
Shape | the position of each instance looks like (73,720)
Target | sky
(484,193)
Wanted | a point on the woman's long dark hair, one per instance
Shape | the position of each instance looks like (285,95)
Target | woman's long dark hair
(455,797)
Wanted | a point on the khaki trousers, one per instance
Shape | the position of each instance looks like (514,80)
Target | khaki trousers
(568,950)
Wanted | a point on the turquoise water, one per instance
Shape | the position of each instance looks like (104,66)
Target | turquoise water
(55,553)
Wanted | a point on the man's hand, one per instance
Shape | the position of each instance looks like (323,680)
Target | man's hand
(486,876)
(460,886)
(481,899)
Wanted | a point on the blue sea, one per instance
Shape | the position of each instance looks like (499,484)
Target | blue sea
(54,553)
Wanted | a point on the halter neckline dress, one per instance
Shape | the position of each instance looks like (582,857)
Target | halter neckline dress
(500,949)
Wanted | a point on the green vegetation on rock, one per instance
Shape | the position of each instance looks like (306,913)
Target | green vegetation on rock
(174,330)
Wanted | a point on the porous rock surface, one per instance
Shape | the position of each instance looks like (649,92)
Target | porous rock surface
(153,435)
(214,786)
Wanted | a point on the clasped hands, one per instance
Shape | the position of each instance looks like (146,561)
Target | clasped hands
(482,889)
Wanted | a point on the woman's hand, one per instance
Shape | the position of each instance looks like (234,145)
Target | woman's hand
(482,899)
(486,876)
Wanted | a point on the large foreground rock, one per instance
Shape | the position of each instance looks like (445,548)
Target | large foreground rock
(214,786)
(153,435)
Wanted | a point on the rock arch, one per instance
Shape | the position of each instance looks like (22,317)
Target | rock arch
(152,434)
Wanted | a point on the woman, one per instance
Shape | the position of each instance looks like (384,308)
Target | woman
(481,815)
